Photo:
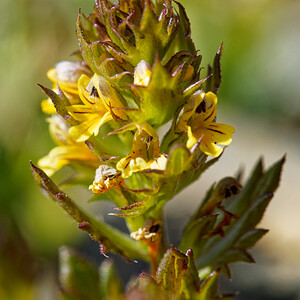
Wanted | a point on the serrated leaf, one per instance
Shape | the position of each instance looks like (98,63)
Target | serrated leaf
(216,247)
(182,40)
(250,238)
(78,278)
(110,238)
(249,210)
(243,201)
(234,255)
(270,180)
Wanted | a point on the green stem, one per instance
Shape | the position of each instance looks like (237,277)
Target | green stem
(109,237)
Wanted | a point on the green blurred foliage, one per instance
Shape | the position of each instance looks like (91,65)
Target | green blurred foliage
(261,60)
(34,36)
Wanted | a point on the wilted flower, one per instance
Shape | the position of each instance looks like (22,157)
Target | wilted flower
(106,178)
(149,233)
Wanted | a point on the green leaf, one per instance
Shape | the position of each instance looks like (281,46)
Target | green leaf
(216,247)
(110,285)
(242,203)
(196,232)
(271,179)
(182,40)
(171,270)
(110,238)
(191,89)
(145,287)
(197,167)
(209,287)
(234,255)
(249,206)
(250,238)
(78,278)
(88,50)
(191,278)
(178,161)
(59,104)
(214,82)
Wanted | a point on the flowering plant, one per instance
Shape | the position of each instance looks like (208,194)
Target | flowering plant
(137,69)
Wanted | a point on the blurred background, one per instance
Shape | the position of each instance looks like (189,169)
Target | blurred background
(260,96)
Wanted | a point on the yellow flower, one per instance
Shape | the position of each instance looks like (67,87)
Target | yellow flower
(142,73)
(100,104)
(66,75)
(198,119)
(144,153)
(131,164)
(106,178)
(67,151)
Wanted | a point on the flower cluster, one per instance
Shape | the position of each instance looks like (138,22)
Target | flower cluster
(114,97)
(137,70)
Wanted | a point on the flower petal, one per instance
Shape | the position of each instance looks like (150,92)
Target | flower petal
(86,129)
(129,165)
(208,147)
(63,155)
(48,107)
(192,140)
(220,133)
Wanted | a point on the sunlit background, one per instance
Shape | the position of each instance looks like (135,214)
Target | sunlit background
(260,96)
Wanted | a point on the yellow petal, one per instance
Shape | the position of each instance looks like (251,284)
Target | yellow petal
(63,155)
(192,140)
(86,129)
(66,74)
(189,109)
(68,86)
(212,98)
(84,90)
(129,165)
(48,107)
(220,133)
(82,112)
(208,147)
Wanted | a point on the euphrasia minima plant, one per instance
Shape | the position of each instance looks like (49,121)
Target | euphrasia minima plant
(136,70)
